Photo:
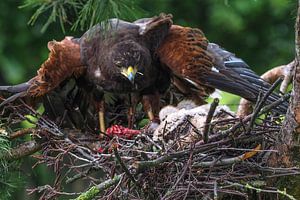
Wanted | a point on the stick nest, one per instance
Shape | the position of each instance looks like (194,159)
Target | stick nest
(234,161)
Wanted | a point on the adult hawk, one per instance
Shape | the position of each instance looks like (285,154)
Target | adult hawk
(142,57)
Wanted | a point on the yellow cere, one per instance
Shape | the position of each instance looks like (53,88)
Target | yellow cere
(130,70)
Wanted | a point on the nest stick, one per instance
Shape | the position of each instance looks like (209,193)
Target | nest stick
(142,165)
(209,117)
(270,76)
(269,107)
(264,110)
(125,169)
(20,133)
(247,186)
(25,149)
(221,162)
(95,190)
(261,103)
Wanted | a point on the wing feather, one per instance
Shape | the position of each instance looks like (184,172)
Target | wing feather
(62,63)
(190,57)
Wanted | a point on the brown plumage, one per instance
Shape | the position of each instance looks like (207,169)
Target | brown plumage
(158,51)
(101,56)
(63,62)
(198,67)
(184,53)
(117,57)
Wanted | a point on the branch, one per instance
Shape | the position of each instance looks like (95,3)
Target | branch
(20,133)
(229,161)
(247,186)
(95,190)
(291,124)
(25,149)
(209,117)
(125,169)
(261,103)
(245,106)
(290,127)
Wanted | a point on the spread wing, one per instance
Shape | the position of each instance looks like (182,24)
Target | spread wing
(62,63)
(204,66)
(183,52)
(70,56)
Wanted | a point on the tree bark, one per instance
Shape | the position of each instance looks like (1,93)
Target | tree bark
(290,129)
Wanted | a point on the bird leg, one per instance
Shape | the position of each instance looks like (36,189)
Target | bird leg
(98,95)
(130,116)
(101,111)
(133,100)
(151,105)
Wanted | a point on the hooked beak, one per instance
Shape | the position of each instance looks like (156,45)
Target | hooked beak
(129,73)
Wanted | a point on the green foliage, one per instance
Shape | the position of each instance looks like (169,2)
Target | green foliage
(86,12)
(31,120)
(143,123)
(57,9)
(231,100)
(95,11)
(9,172)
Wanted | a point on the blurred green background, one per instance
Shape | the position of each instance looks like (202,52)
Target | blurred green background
(259,31)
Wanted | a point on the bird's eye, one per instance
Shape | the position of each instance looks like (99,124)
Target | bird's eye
(119,65)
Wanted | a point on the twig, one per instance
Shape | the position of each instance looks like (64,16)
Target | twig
(227,161)
(151,141)
(25,149)
(209,117)
(269,107)
(247,186)
(125,169)
(261,103)
(80,175)
(20,133)
(241,149)
(142,165)
(95,190)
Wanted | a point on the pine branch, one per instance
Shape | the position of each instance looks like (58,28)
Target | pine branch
(56,8)
(87,12)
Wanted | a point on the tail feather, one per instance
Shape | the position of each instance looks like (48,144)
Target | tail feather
(234,75)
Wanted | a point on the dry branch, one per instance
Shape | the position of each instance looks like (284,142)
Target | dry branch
(95,190)
(25,149)
(283,71)
(209,117)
